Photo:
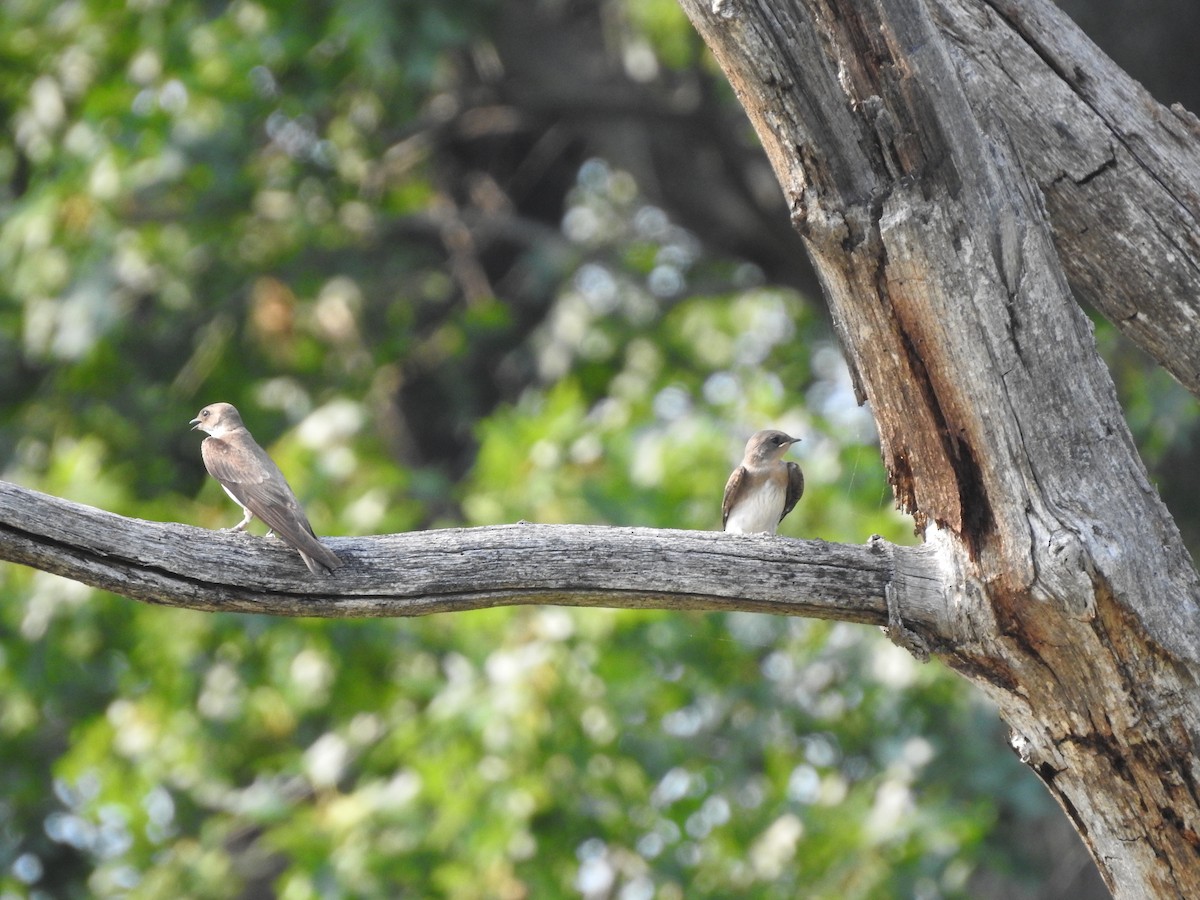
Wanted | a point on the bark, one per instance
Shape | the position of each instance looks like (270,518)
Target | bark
(1120,172)
(1074,603)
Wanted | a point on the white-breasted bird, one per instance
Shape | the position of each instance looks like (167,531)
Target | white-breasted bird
(764,488)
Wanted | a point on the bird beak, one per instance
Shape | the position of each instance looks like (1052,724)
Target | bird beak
(195,423)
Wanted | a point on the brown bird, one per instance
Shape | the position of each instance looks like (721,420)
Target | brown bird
(254,482)
(764,488)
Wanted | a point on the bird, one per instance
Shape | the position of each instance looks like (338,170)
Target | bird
(253,481)
(764,488)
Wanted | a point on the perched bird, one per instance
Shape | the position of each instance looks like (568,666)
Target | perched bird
(252,479)
(764,488)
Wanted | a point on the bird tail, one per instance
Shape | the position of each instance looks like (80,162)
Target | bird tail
(322,562)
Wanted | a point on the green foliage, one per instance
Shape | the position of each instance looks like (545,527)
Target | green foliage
(177,169)
(662,24)
(234,202)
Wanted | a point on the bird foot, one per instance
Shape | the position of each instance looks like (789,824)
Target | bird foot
(240,526)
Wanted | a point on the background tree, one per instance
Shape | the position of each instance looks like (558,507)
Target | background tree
(482,292)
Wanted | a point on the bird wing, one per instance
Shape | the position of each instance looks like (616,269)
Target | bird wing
(732,487)
(795,489)
(257,484)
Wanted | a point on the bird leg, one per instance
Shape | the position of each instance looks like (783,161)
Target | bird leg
(241,526)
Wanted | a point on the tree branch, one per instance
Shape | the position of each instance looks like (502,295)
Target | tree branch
(1093,138)
(458,569)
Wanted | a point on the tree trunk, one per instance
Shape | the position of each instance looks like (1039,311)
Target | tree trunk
(1075,603)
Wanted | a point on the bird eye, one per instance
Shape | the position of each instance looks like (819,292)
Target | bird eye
(778,440)
(204,414)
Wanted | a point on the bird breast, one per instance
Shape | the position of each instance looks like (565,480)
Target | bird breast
(759,510)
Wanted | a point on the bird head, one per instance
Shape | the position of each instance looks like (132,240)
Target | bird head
(217,419)
(767,446)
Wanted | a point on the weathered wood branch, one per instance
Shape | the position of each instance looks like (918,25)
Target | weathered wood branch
(452,570)
(1120,172)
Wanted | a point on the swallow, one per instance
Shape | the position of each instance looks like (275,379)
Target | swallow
(253,481)
(764,488)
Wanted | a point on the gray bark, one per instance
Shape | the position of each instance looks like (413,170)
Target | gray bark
(1120,172)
